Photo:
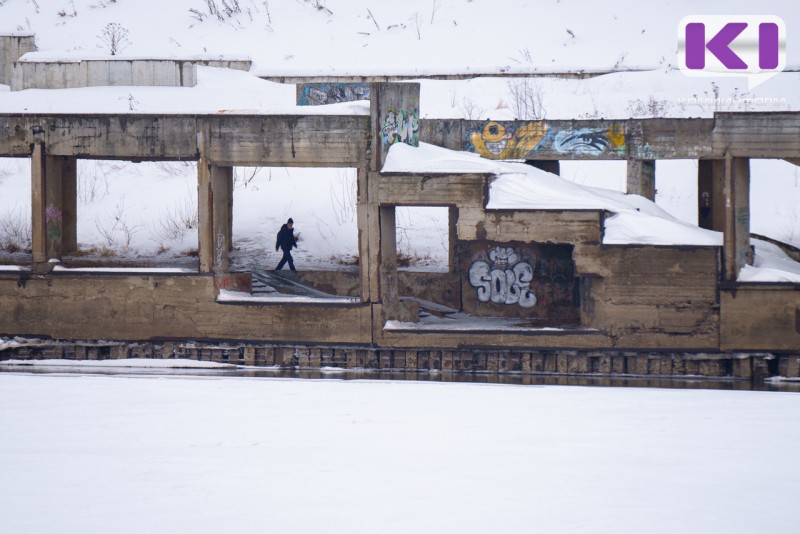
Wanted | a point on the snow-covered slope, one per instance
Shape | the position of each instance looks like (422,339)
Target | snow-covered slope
(361,36)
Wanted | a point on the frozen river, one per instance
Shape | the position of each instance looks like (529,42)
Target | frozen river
(181,453)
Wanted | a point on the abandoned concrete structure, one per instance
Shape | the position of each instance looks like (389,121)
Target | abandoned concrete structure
(590,306)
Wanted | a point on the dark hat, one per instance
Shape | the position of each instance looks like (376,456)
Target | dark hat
(290,221)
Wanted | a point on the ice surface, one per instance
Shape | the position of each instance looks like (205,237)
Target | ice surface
(209,455)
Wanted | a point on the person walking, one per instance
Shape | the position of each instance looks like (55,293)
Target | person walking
(286,241)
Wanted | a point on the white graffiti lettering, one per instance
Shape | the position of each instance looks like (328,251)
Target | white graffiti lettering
(506,281)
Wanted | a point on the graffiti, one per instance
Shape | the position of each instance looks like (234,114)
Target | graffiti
(593,141)
(400,126)
(512,140)
(53,219)
(507,142)
(220,248)
(319,94)
(506,281)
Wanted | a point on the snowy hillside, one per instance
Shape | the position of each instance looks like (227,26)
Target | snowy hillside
(361,37)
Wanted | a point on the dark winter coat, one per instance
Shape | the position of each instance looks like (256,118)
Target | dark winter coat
(286,240)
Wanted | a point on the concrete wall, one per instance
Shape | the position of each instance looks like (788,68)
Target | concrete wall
(12,47)
(64,74)
(761,317)
(651,297)
(69,306)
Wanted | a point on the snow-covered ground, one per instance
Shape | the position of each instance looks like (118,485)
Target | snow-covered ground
(171,454)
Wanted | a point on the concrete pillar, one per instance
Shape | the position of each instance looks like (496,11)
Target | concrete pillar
(388,258)
(394,118)
(214,185)
(54,207)
(642,178)
(221,189)
(38,204)
(452,234)
(205,218)
(553,166)
(711,206)
(736,190)
(229,193)
(366,218)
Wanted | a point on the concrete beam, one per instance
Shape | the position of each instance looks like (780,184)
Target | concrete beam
(288,141)
(642,178)
(710,196)
(574,139)
(736,245)
(757,135)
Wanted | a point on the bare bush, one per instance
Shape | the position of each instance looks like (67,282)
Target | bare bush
(115,37)
(651,107)
(416,22)
(436,5)
(245,175)
(470,110)
(527,100)
(343,197)
(15,231)
(120,233)
(175,222)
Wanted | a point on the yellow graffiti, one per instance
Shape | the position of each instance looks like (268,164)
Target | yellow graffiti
(495,142)
(616,135)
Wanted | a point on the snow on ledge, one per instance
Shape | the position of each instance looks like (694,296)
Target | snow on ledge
(517,186)
(124,270)
(13,268)
(141,363)
(770,264)
(280,298)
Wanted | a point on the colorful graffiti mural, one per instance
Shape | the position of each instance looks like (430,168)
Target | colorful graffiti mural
(506,281)
(400,126)
(319,94)
(514,140)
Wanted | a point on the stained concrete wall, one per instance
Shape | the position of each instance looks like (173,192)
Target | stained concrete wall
(12,47)
(761,317)
(64,74)
(75,306)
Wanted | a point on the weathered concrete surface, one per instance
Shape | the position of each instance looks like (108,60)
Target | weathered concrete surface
(651,297)
(641,178)
(12,47)
(540,226)
(33,72)
(644,139)
(464,190)
(394,112)
(313,141)
(757,135)
(73,306)
(760,317)
(736,192)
